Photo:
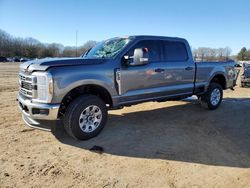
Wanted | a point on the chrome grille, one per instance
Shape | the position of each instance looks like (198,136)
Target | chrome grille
(26,86)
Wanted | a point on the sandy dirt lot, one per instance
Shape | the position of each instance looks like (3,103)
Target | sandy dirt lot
(169,144)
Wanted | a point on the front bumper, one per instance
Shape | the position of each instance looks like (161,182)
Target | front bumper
(38,115)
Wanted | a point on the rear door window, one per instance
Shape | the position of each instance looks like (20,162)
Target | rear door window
(174,51)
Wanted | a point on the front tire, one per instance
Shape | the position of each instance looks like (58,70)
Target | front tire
(213,97)
(85,117)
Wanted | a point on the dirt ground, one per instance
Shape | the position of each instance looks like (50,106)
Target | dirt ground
(169,144)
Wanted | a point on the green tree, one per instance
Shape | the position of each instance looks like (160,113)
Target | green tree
(242,54)
(247,55)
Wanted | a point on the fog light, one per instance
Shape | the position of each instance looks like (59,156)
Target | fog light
(36,111)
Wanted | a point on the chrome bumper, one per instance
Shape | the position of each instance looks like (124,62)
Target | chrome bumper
(27,108)
(32,117)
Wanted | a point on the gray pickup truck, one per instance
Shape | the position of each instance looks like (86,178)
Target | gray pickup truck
(115,73)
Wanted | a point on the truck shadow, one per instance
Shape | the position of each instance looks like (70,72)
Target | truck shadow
(183,132)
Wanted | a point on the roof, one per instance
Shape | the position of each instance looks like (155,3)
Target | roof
(157,37)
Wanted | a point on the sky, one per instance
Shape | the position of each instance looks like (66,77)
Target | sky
(204,23)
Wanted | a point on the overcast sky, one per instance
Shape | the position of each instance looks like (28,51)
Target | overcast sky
(210,23)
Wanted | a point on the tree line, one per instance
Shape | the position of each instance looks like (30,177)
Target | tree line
(212,54)
(220,54)
(31,48)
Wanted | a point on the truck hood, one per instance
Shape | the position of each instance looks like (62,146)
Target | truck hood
(44,64)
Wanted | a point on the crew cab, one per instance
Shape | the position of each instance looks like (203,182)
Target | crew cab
(117,72)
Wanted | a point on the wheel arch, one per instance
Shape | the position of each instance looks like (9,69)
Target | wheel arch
(92,89)
(219,79)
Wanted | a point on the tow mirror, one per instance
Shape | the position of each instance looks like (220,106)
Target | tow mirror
(140,57)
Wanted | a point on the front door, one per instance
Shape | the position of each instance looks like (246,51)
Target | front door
(145,81)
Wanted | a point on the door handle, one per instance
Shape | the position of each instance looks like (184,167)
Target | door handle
(189,68)
(159,70)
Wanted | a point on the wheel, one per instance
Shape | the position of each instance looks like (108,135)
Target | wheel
(85,117)
(243,84)
(213,97)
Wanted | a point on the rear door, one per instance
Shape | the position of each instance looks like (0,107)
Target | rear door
(179,68)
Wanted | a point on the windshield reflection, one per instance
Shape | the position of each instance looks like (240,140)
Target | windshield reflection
(107,49)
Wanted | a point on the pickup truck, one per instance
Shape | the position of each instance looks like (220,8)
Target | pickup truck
(118,72)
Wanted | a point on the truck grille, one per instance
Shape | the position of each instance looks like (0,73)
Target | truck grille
(26,86)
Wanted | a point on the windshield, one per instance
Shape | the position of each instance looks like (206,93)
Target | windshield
(107,49)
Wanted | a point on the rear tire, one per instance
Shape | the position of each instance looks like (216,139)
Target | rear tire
(243,84)
(213,97)
(85,117)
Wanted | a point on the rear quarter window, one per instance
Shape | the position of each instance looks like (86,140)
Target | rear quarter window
(175,51)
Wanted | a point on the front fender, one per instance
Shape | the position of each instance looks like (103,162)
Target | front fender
(65,81)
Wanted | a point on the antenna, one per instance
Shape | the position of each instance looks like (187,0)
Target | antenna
(76,41)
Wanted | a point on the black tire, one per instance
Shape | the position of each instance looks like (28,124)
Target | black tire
(73,114)
(206,98)
(243,84)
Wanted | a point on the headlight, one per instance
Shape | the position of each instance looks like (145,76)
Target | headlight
(43,87)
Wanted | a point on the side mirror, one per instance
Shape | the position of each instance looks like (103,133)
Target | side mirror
(140,57)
